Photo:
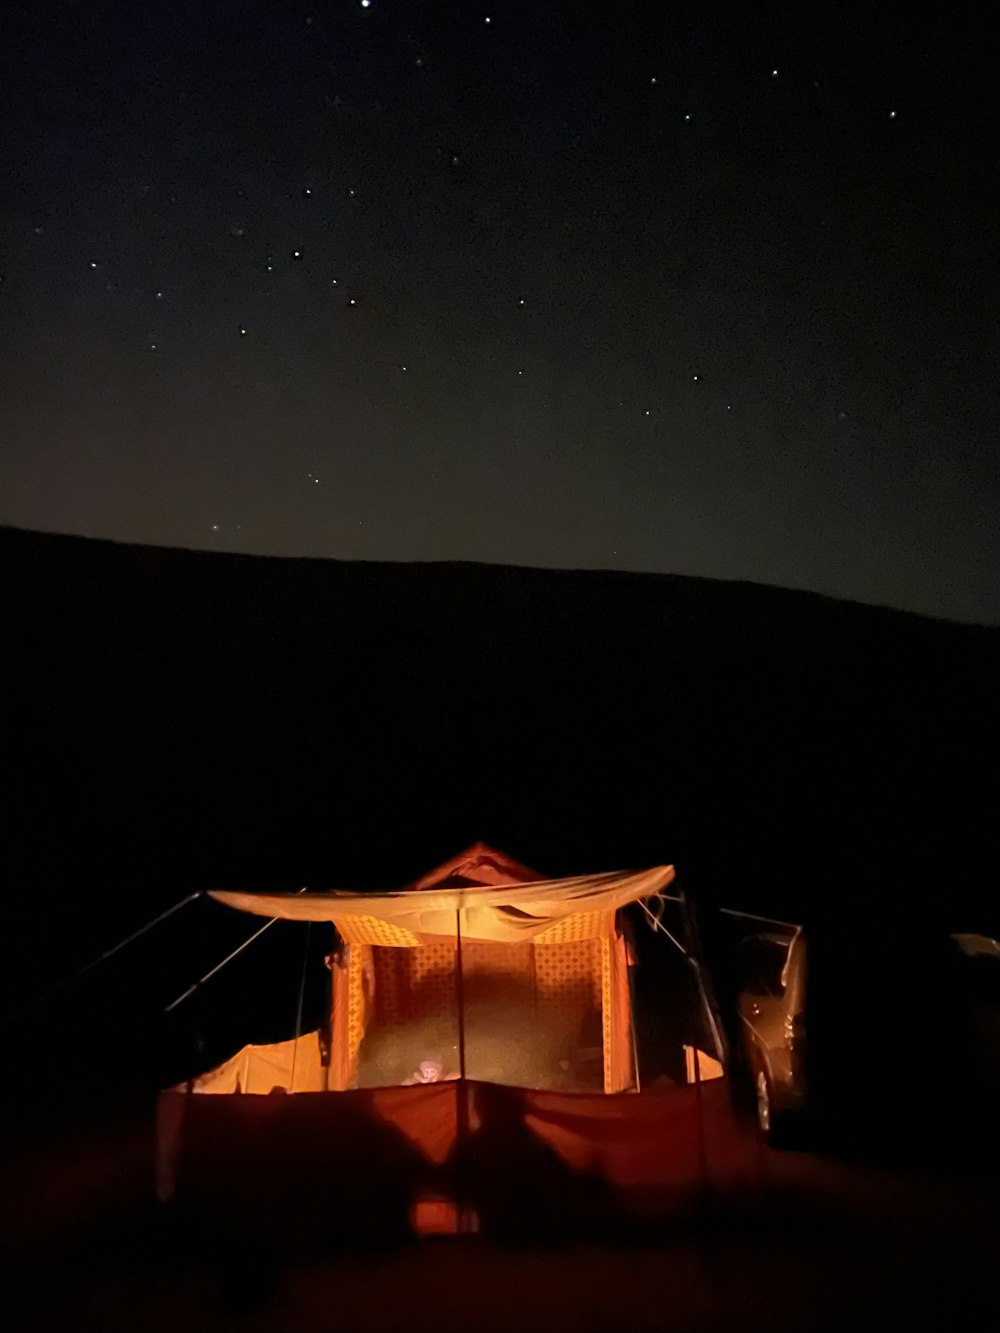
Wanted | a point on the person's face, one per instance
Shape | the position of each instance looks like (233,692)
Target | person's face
(429,1071)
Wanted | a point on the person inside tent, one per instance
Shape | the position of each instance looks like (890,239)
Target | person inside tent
(428,1071)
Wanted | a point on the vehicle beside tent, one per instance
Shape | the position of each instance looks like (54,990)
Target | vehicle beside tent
(909,1036)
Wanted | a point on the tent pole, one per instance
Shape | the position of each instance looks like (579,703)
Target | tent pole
(462,1119)
(191,990)
(96,962)
(762,920)
(460,990)
(693,951)
(630,947)
(298,1011)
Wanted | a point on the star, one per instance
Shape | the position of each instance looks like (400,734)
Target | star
(243,331)
(296,254)
(352,301)
(159,296)
(687,115)
(774,73)
(892,115)
(366,4)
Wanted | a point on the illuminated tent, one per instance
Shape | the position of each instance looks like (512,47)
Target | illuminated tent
(480,966)
(516,990)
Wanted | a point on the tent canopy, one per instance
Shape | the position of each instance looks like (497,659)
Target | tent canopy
(480,893)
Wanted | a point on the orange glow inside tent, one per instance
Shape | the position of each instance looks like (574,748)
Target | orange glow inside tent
(480,969)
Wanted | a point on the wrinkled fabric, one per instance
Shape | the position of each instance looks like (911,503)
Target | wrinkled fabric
(509,913)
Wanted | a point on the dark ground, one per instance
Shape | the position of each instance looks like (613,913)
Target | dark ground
(823,1245)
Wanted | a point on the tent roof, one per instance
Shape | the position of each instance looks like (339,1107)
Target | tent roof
(479,864)
(481,892)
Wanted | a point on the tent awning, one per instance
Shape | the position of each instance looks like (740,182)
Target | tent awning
(508,913)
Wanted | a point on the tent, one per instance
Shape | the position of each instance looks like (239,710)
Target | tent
(508,993)
(480,966)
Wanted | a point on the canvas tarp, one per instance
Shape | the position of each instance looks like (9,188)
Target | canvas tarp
(289,1066)
(505,914)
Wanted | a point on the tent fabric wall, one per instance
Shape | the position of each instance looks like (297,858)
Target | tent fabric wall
(593,976)
(371,988)
(343,1050)
(699,1067)
(288,1066)
(619,1065)
(369,1159)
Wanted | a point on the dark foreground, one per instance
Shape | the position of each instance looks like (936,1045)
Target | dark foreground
(818,1245)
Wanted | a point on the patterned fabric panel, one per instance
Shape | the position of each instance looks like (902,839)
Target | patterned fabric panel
(532,1013)
(568,976)
(412,983)
(370,930)
(578,927)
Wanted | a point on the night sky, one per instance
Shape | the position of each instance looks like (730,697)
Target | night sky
(693,288)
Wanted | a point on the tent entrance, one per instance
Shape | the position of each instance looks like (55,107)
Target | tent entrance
(524,1015)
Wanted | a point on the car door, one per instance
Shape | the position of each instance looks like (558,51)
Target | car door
(761,1006)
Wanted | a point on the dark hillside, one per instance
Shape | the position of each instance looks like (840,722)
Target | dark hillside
(178,720)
